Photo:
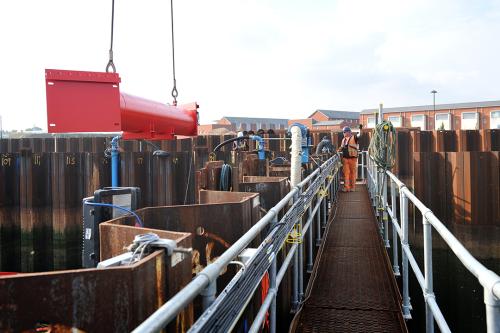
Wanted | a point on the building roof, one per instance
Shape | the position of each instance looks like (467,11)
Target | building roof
(333,114)
(328,123)
(235,120)
(438,107)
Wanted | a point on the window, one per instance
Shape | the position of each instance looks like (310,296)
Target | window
(442,121)
(418,120)
(470,120)
(396,121)
(495,119)
(370,122)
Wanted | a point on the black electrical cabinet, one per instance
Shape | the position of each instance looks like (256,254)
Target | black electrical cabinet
(102,207)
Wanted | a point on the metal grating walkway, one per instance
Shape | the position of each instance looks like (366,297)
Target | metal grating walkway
(353,287)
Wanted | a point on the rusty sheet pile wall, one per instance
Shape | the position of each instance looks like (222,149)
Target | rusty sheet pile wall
(82,299)
(43,180)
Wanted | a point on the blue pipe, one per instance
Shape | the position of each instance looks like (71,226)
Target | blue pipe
(261,152)
(115,162)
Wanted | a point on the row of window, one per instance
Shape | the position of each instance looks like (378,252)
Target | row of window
(470,120)
(254,127)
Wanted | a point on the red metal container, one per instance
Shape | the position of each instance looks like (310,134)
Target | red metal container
(92,102)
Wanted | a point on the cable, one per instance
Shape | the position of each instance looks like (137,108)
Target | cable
(100,204)
(383,145)
(229,141)
(110,62)
(383,151)
(225,178)
(175,93)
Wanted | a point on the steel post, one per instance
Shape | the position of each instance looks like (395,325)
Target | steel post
(208,295)
(323,204)
(295,283)
(492,311)
(310,241)
(301,268)
(384,214)
(295,277)
(363,165)
(404,226)
(395,259)
(273,286)
(428,289)
(318,225)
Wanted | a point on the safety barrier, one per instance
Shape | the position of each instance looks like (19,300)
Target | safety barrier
(377,184)
(305,201)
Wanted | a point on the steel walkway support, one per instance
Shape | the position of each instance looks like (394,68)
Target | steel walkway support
(352,287)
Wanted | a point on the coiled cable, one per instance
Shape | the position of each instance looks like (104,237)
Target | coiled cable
(383,145)
(225,178)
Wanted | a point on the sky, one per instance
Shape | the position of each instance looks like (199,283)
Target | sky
(256,58)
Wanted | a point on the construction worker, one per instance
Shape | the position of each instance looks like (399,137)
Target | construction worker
(349,149)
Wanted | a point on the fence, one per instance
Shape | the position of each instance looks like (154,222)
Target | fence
(378,181)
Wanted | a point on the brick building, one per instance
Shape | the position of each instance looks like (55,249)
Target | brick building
(329,120)
(253,124)
(234,124)
(474,115)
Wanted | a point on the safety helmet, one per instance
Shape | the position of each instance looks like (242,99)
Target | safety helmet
(346,129)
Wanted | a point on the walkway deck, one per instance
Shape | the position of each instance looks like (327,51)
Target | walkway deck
(353,289)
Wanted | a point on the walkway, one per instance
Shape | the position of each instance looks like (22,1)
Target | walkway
(353,289)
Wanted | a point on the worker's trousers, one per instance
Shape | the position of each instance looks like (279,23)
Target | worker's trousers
(350,166)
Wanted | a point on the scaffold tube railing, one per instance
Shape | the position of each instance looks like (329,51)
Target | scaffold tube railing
(489,280)
(307,198)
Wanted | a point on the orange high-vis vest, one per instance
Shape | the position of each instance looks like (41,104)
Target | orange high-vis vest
(351,148)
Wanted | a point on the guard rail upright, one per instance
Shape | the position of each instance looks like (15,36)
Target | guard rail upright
(377,182)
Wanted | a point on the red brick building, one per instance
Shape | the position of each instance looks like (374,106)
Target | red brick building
(329,120)
(474,115)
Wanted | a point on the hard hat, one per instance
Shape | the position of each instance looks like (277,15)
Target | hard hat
(346,129)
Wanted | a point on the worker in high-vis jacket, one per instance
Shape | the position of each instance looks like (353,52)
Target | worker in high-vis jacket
(349,149)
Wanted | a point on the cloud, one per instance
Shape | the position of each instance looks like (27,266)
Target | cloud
(257,58)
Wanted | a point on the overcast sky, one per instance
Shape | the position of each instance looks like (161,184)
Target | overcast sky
(260,58)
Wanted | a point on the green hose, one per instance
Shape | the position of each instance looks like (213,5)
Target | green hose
(383,145)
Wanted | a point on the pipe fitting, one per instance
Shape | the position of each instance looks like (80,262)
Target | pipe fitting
(491,283)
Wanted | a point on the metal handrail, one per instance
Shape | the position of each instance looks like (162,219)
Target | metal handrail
(206,279)
(490,281)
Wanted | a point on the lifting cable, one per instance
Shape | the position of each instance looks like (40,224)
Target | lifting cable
(110,61)
(175,93)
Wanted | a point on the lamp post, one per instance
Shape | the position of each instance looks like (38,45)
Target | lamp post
(434,92)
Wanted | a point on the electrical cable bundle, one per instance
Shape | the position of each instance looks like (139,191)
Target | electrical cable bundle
(383,145)
(233,300)
(225,178)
